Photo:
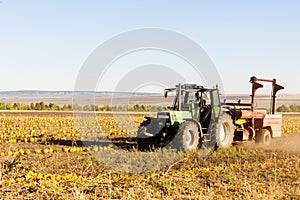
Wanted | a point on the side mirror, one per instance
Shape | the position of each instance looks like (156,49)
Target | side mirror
(166,93)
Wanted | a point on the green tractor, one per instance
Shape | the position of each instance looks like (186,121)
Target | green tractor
(194,121)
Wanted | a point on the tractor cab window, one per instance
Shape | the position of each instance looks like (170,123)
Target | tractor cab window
(187,97)
(215,98)
(215,103)
(191,99)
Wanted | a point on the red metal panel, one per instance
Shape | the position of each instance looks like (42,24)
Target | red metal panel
(258,114)
(258,123)
(275,122)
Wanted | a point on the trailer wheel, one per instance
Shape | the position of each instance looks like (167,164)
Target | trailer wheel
(224,131)
(263,137)
(187,137)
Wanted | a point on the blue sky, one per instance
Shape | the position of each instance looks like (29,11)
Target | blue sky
(43,44)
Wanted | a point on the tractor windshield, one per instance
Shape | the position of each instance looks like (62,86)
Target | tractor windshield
(187,97)
(190,99)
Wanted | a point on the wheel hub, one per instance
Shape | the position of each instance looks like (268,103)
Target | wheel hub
(189,137)
(222,133)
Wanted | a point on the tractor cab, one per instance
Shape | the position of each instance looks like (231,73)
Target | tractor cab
(195,102)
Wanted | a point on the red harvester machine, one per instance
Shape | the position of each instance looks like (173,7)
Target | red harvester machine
(250,123)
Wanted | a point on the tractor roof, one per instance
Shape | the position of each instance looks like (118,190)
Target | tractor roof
(190,87)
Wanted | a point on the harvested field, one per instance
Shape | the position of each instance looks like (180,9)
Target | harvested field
(40,159)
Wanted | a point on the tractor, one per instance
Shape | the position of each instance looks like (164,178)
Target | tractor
(198,119)
(190,123)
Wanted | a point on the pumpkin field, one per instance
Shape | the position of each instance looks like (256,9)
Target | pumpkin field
(41,157)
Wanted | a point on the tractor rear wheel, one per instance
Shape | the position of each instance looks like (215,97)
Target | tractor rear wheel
(224,131)
(187,137)
(263,137)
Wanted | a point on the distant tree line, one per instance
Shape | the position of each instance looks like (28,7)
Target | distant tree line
(69,107)
(291,108)
(91,107)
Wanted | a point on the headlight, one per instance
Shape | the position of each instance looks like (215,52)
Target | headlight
(163,116)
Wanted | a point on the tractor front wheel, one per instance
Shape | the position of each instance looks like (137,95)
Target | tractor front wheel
(263,137)
(187,137)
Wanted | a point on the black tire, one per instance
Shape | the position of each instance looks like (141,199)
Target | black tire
(147,128)
(251,132)
(224,131)
(263,137)
(187,137)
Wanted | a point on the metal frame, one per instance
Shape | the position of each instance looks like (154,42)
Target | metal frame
(255,86)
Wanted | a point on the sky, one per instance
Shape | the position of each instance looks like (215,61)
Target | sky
(43,44)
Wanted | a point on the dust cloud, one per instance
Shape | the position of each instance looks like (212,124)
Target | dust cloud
(287,142)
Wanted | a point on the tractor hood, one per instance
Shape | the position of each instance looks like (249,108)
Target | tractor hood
(175,117)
